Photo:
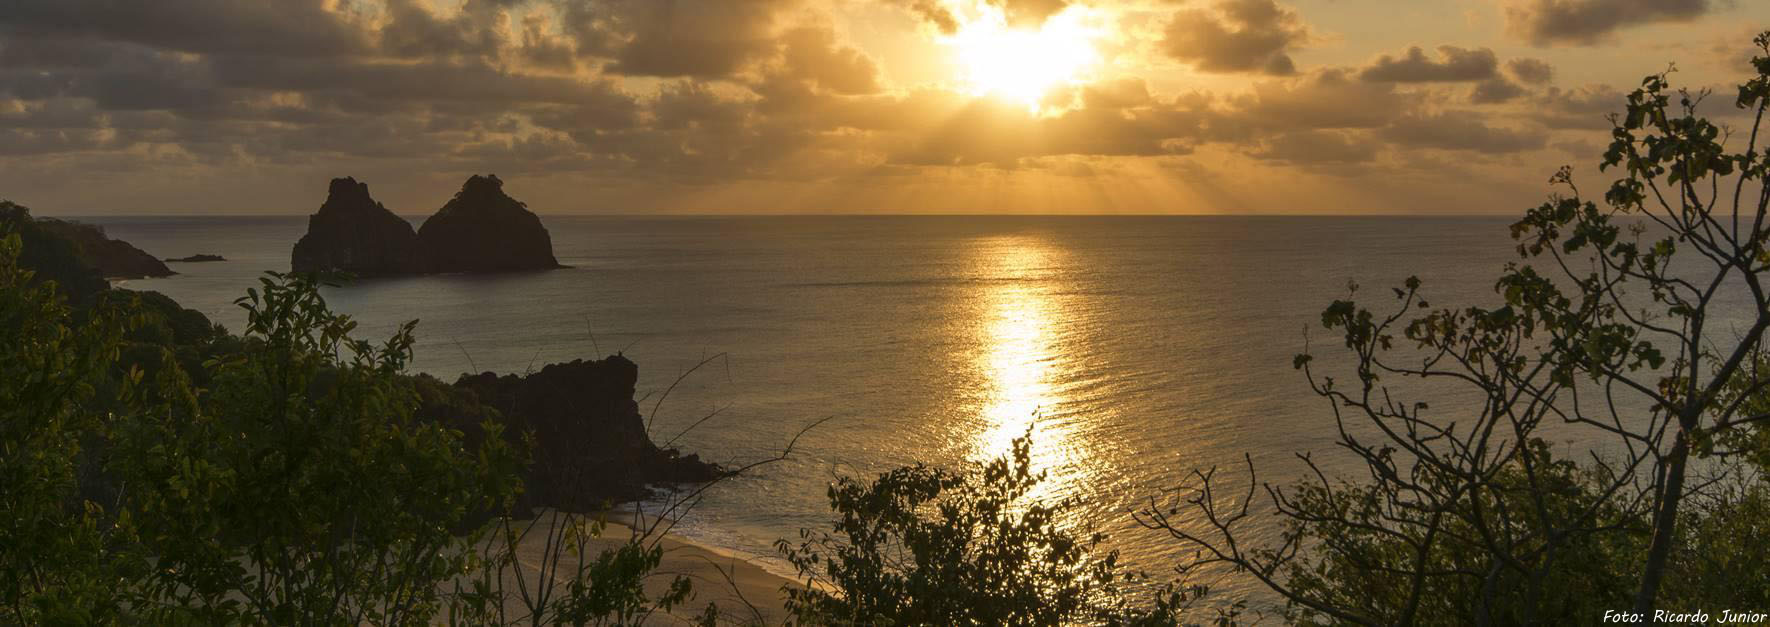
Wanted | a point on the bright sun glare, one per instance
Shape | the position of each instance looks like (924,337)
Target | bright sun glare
(1019,64)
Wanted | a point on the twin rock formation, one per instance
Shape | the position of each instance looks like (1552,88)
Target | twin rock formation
(480,230)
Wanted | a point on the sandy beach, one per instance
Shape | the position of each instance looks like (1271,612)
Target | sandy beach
(744,592)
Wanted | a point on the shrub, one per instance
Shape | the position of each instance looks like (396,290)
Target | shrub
(923,546)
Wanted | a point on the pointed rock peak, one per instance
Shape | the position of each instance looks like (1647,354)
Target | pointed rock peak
(483,230)
(353,233)
(487,184)
(347,192)
(348,185)
(485,192)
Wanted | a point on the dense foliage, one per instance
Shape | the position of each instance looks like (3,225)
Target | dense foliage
(298,486)
(62,556)
(924,546)
(293,486)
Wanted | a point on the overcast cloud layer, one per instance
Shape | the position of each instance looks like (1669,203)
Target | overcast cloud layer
(1196,106)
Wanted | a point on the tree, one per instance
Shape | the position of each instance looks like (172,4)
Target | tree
(298,488)
(924,546)
(1616,323)
(59,553)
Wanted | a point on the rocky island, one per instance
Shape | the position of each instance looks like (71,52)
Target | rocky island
(481,229)
(353,233)
(484,230)
(197,258)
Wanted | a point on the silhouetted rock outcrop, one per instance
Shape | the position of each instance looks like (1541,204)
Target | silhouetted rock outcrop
(49,255)
(113,258)
(197,258)
(77,257)
(484,230)
(52,252)
(480,230)
(353,233)
(591,447)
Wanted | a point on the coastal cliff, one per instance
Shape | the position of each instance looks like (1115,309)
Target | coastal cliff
(482,229)
(591,448)
(354,233)
(113,258)
(77,257)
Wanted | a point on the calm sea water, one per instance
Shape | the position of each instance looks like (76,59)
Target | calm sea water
(1134,349)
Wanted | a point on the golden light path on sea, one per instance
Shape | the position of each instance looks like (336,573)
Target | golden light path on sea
(1024,361)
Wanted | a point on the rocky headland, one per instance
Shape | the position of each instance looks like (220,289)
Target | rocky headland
(481,229)
(112,258)
(590,444)
(77,257)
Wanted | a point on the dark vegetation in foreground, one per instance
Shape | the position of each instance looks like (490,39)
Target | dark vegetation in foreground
(158,470)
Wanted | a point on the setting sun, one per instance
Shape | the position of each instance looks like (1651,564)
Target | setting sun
(995,58)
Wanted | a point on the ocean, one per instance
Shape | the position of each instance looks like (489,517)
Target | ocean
(1134,350)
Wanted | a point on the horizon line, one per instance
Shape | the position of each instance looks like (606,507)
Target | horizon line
(818,215)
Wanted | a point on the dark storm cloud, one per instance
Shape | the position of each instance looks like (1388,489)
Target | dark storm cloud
(283,27)
(1586,108)
(414,32)
(114,76)
(594,28)
(1329,98)
(933,12)
(1453,65)
(690,105)
(1494,91)
(1316,147)
(696,38)
(35,142)
(1532,71)
(1123,93)
(1022,13)
(19,50)
(1236,36)
(1461,130)
(152,80)
(1587,22)
(423,82)
(50,114)
(275,81)
(543,49)
(813,54)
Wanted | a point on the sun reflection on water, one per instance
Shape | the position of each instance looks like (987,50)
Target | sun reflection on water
(1022,358)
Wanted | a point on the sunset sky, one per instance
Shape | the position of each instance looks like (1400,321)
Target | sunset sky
(836,106)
